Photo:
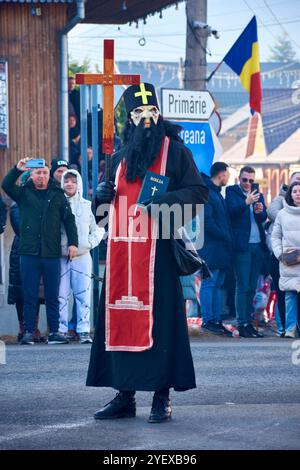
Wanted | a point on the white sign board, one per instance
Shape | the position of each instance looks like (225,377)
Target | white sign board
(186,104)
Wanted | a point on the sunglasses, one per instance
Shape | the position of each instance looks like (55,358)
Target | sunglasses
(246,180)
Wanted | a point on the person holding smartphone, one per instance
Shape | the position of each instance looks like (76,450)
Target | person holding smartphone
(43,208)
(247,212)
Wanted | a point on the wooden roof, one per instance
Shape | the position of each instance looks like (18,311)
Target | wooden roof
(114,11)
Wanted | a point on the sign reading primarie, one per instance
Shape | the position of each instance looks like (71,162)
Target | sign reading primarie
(3,105)
(186,104)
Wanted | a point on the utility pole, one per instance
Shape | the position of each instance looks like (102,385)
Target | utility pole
(180,73)
(197,32)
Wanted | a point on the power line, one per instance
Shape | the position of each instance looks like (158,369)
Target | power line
(296,20)
(250,8)
(75,48)
(125,35)
(280,24)
(235,12)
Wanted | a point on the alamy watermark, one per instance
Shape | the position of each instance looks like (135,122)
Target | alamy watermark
(296,93)
(296,352)
(133,223)
(2,353)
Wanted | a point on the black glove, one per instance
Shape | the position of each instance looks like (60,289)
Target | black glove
(105,192)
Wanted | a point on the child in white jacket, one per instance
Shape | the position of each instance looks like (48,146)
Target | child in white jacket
(76,274)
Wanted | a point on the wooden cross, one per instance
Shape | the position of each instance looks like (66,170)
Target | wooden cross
(108,79)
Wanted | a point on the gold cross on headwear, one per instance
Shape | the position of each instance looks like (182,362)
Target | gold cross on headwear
(143,93)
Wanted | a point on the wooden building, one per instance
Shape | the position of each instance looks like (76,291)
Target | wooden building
(30,45)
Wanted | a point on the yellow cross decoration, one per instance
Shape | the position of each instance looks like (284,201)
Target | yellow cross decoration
(143,93)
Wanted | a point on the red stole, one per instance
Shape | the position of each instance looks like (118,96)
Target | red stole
(130,265)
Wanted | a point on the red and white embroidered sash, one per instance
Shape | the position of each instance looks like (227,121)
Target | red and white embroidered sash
(130,265)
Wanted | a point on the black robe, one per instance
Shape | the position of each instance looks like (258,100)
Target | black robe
(168,364)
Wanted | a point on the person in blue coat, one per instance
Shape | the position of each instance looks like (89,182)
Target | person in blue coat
(216,251)
(247,211)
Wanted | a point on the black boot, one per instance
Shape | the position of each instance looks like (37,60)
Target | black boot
(255,333)
(244,332)
(122,406)
(161,410)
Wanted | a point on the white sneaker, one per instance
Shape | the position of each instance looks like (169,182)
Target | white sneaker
(84,338)
(290,334)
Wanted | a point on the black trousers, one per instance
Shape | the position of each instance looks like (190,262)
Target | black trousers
(274,271)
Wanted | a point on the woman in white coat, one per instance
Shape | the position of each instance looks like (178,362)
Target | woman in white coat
(76,274)
(286,238)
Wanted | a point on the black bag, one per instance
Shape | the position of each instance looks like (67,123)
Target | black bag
(187,260)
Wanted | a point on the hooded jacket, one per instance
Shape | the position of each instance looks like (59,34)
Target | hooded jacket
(285,236)
(89,234)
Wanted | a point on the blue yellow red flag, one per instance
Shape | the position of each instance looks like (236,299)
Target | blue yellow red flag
(243,59)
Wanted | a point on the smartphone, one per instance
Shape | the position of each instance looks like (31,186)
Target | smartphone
(35,163)
(255,186)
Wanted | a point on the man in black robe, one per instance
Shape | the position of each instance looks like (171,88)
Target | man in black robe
(168,363)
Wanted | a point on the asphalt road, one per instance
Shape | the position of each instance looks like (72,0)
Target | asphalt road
(248,397)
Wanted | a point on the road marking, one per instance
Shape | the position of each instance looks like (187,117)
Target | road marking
(45,429)
(53,427)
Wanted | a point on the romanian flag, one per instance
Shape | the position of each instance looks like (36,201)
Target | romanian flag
(243,59)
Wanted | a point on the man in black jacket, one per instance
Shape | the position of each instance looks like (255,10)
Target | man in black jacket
(43,207)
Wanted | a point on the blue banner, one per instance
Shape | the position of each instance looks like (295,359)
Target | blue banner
(197,136)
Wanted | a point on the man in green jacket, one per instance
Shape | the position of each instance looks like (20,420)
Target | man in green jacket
(43,207)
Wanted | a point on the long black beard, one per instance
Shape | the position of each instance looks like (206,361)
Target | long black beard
(142,146)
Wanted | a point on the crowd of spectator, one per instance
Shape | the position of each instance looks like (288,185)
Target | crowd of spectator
(245,243)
